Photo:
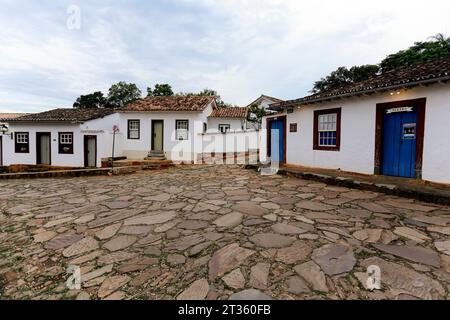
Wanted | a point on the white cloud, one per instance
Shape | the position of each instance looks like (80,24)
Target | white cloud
(241,48)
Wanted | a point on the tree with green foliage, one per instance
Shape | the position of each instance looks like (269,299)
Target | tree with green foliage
(91,101)
(255,115)
(122,93)
(437,47)
(160,90)
(343,76)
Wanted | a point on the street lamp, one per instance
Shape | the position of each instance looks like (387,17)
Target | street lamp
(4,130)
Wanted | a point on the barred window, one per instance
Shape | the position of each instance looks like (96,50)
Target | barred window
(182,129)
(134,129)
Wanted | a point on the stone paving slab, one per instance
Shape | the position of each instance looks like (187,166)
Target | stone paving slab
(217,232)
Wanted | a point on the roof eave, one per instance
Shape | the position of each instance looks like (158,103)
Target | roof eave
(227,117)
(46,121)
(165,111)
(300,102)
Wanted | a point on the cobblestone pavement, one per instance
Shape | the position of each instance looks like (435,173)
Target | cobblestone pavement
(217,233)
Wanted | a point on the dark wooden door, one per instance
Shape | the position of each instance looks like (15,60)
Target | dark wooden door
(43,148)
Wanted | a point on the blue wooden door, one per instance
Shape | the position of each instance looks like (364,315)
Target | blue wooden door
(277,141)
(399,144)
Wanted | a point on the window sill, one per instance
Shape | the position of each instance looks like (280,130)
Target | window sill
(335,149)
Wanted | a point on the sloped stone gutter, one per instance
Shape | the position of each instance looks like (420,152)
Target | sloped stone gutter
(427,194)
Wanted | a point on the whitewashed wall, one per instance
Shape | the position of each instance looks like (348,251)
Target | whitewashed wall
(357,152)
(240,141)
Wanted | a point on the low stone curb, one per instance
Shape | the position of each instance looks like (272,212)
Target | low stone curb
(390,189)
(83,172)
(55,174)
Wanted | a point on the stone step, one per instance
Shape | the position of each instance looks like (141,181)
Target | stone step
(156,153)
(156,158)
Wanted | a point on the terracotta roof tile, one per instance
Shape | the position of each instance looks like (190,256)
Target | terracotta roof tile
(65,115)
(410,76)
(175,103)
(232,112)
(5,116)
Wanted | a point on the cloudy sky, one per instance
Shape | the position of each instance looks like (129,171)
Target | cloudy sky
(241,48)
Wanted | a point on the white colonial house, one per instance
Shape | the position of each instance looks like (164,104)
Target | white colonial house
(264,102)
(177,128)
(395,124)
(228,120)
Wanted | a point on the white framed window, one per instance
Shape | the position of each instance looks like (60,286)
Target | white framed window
(134,129)
(66,138)
(22,138)
(328,130)
(182,129)
(224,128)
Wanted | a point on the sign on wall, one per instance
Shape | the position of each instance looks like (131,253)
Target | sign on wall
(293,127)
(92,131)
(402,109)
(409,131)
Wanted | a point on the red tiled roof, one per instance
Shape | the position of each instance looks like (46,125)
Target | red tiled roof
(65,115)
(7,116)
(231,112)
(168,104)
(405,77)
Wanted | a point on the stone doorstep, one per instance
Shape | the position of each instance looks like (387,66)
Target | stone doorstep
(389,189)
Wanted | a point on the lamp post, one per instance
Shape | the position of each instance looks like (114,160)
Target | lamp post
(115,130)
(4,129)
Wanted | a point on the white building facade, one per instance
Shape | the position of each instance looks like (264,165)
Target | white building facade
(400,131)
(180,128)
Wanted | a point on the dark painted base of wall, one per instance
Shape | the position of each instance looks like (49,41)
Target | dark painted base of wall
(422,194)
